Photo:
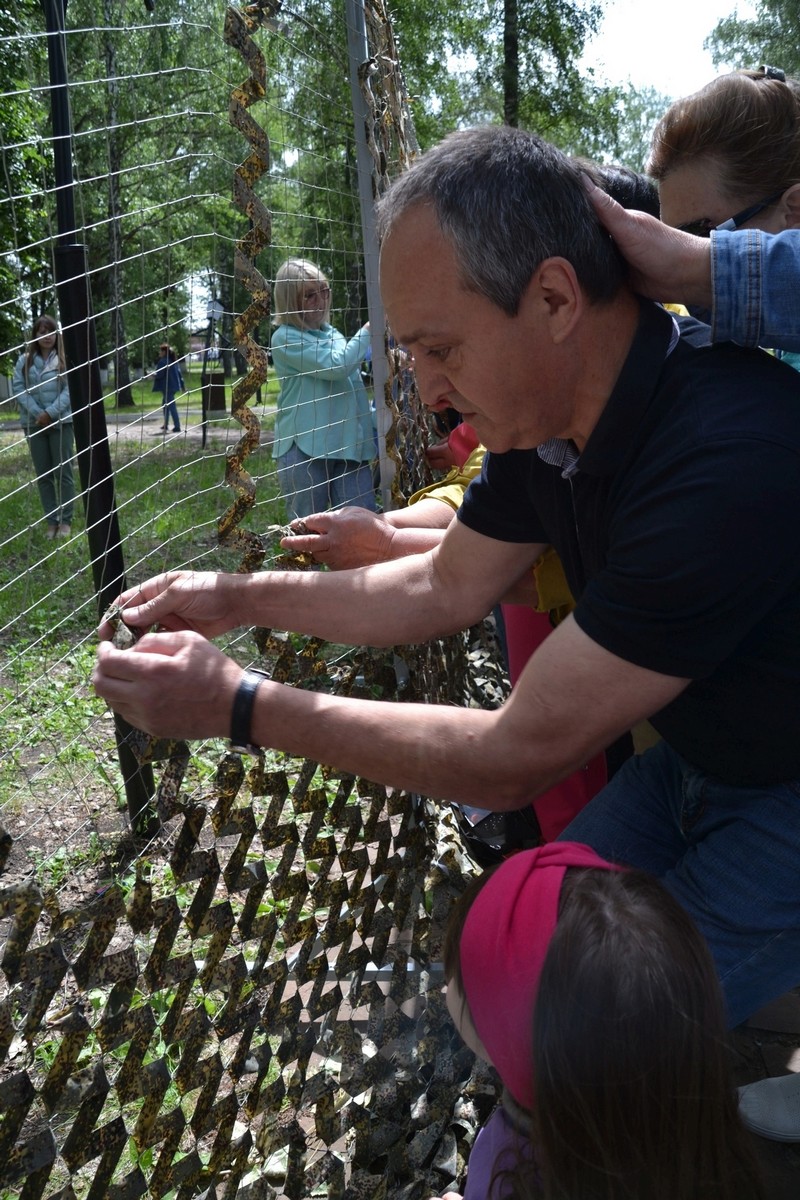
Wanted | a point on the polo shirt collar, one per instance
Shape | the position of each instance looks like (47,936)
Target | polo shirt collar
(609,442)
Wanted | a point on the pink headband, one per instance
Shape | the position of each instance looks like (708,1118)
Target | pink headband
(503,947)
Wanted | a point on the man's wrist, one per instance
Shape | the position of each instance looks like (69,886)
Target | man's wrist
(241,739)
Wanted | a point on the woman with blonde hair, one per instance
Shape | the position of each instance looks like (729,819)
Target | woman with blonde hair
(324,431)
(39,386)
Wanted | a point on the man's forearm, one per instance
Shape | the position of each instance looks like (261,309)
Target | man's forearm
(447,753)
(383,605)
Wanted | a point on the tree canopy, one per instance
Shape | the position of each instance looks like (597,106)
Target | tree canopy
(769,37)
(154,151)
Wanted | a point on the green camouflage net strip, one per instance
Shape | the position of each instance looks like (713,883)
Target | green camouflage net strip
(254,1009)
(250,1010)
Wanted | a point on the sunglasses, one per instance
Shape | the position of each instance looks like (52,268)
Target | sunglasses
(705,225)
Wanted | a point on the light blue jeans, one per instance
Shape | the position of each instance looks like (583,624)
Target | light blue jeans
(730,855)
(311,485)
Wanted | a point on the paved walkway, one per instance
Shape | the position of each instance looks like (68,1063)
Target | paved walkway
(133,424)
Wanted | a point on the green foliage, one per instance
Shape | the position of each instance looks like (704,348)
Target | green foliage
(168,503)
(556,100)
(26,168)
(54,870)
(769,37)
(640,109)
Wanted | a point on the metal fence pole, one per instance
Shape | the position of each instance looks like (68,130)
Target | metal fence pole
(358,53)
(86,396)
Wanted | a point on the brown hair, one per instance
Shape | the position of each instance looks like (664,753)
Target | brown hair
(634,1093)
(44,324)
(748,122)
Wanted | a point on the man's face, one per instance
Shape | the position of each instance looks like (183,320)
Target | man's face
(498,371)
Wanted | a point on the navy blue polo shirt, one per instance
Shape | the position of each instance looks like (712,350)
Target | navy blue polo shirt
(680,538)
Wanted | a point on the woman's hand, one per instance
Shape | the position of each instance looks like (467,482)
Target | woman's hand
(440,456)
(666,264)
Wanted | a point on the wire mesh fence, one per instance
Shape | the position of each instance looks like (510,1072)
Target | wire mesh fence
(238,996)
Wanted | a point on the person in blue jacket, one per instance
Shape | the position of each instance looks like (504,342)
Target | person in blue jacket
(169,381)
(324,431)
(39,386)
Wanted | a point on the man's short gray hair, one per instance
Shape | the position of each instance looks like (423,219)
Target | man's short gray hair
(506,200)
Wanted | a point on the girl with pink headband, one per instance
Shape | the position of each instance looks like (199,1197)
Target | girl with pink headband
(595,998)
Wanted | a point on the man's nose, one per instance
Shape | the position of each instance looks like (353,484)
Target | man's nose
(433,385)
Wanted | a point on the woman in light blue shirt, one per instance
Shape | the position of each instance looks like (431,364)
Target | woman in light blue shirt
(39,386)
(324,431)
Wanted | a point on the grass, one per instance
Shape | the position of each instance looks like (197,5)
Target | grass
(60,786)
(168,499)
(146,400)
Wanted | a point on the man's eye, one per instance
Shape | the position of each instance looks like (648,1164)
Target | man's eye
(439,353)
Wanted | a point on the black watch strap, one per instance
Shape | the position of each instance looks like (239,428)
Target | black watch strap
(242,714)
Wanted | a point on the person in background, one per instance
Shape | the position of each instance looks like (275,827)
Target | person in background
(594,996)
(324,432)
(745,278)
(39,386)
(169,381)
(728,156)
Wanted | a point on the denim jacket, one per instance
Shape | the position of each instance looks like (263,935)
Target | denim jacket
(756,281)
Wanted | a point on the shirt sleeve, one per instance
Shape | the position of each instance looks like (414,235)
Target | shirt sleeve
(25,402)
(497,504)
(755,278)
(295,353)
(60,407)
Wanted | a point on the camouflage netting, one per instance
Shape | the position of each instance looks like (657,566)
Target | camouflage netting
(253,1007)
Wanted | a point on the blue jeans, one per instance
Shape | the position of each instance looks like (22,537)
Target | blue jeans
(170,410)
(311,485)
(52,448)
(730,855)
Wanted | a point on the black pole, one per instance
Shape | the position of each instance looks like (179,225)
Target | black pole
(86,397)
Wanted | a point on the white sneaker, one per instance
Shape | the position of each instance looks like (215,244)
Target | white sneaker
(771,1107)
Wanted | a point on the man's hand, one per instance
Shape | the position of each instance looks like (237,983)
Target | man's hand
(203,601)
(173,685)
(349,537)
(43,420)
(665,263)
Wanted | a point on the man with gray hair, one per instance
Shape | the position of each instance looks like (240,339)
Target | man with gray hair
(666,476)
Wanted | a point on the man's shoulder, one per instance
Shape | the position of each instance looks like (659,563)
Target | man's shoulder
(730,390)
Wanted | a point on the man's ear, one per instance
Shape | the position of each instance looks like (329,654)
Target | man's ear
(555,291)
(789,207)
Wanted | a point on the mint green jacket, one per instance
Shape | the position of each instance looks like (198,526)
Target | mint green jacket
(323,406)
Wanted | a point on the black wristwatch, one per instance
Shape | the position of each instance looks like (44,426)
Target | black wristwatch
(242,714)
